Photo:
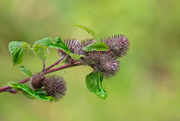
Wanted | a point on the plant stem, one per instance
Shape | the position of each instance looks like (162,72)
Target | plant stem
(5,88)
(56,63)
(46,71)
(61,67)
(44,65)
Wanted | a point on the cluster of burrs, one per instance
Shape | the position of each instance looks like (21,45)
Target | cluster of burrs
(104,62)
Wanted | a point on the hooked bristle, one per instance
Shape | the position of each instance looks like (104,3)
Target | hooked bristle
(107,65)
(55,86)
(74,46)
(118,45)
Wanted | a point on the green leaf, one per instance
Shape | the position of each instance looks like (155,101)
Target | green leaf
(17,56)
(39,50)
(89,31)
(26,46)
(25,71)
(16,51)
(58,44)
(93,83)
(96,46)
(46,42)
(30,93)
(58,40)
(39,91)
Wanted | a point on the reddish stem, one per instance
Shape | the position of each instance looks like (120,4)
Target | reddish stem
(8,88)
(61,67)
(44,65)
(2,89)
(56,63)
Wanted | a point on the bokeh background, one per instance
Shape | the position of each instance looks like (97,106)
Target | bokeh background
(147,85)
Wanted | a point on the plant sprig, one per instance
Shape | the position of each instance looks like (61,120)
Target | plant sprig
(99,54)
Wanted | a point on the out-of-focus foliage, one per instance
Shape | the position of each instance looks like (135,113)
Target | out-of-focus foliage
(146,87)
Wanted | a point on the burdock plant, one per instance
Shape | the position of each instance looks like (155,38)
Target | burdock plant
(100,54)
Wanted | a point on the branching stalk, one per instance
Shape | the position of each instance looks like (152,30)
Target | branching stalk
(46,71)
(56,63)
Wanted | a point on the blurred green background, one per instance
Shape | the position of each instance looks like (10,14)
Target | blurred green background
(147,86)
